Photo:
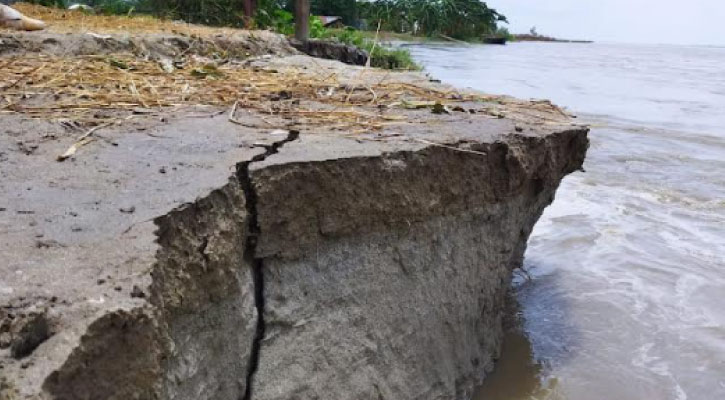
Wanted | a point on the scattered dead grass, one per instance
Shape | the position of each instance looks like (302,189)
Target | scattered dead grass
(79,87)
(92,89)
(67,21)
(99,91)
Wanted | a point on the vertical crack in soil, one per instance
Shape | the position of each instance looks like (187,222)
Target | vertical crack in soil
(253,231)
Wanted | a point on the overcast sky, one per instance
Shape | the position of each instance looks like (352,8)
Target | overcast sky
(639,21)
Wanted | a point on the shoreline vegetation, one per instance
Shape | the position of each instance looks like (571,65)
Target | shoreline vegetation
(357,22)
(363,24)
(527,37)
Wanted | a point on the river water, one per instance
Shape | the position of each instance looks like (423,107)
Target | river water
(625,298)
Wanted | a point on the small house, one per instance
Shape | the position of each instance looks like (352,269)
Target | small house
(332,22)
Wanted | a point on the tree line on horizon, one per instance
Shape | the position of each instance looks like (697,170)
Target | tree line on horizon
(460,19)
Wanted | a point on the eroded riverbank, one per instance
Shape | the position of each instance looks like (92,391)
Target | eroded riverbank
(626,266)
(335,236)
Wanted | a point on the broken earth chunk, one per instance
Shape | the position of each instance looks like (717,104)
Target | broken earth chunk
(27,332)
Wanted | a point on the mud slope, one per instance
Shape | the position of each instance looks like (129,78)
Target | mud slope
(385,272)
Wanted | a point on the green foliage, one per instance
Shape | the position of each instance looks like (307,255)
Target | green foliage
(349,36)
(347,9)
(274,14)
(393,59)
(317,28)
(112,7)
(50,3)
(502,31)
(380,57)
(209,12)
(270,14)
(108,7)
(461,19)
(275,19)
(282,21)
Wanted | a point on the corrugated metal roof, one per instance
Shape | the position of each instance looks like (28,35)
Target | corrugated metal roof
(327,20)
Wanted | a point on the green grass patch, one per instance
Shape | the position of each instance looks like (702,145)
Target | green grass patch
(381,57)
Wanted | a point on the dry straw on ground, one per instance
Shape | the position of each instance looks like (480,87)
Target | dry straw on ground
(67,21)
(92,89)
(79,87)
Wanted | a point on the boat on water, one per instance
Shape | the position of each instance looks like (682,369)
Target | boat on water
(495,40)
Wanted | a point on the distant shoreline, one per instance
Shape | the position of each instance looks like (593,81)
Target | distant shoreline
(539,38)
(387,36)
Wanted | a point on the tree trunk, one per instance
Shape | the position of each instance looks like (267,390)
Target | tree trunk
(302,20)
(249,7)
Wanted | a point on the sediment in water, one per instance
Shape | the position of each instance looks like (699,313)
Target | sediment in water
(187,257)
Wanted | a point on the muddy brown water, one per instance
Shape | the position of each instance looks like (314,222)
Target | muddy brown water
(626,296)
